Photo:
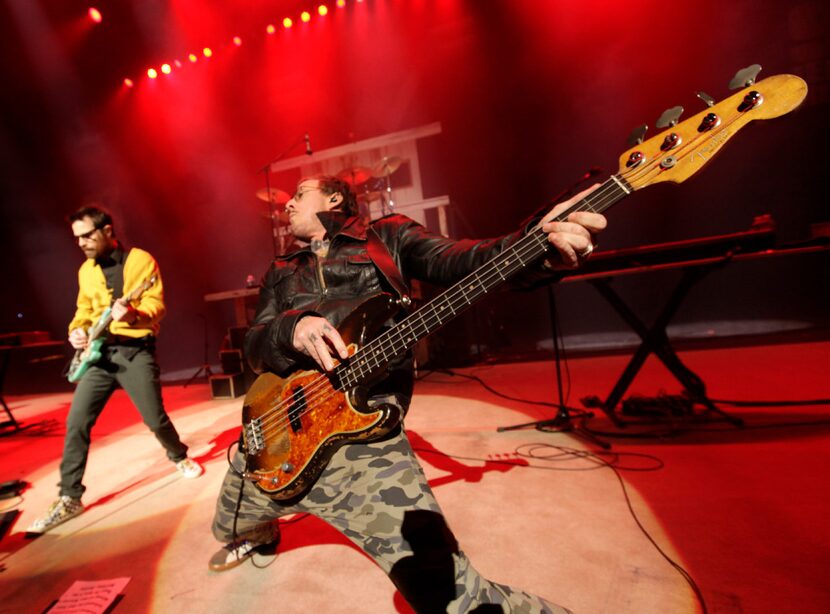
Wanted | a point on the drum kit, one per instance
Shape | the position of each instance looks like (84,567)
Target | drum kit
(368,183)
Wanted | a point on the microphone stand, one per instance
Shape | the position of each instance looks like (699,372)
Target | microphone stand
(563,421)
(272,210)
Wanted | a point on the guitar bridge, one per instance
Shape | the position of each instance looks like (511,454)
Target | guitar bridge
(254,440)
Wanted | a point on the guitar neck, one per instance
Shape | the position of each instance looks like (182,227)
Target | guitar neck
(467,292)
(102,325)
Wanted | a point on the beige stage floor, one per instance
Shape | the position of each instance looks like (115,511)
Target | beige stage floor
(744,511)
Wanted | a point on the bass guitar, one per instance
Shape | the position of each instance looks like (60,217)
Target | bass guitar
(96,335)
(293,425)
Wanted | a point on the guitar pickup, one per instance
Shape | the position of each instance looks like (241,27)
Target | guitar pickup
(297,409)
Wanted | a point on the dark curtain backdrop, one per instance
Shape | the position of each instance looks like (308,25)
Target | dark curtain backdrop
(529,94)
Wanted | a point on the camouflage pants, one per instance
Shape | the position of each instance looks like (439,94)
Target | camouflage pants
(376,494)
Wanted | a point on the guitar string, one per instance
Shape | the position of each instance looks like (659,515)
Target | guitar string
(321,389)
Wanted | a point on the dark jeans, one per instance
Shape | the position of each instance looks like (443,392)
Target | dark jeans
(138,374)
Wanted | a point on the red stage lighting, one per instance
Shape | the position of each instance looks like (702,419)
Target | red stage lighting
(287,23)
(237,41)
(270,28)
(165,68)
(341,3)
(95,15)
(305,16)
(192,57)
(128,82)
(323,10)
(207,51)
(152,73)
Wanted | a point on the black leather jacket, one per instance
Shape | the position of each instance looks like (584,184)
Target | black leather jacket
(300,284)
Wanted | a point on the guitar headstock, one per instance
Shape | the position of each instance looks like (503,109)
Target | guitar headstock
(142,287)
(680,151)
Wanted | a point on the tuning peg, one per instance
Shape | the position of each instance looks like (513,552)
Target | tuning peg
(710,102)
(637,135)
(745,77)
(669,117)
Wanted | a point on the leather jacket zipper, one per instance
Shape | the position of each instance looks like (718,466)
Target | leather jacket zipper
(320,278)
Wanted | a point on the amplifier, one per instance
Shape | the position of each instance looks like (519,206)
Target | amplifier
(227,386)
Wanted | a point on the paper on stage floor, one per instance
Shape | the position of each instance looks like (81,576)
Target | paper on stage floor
(89,597)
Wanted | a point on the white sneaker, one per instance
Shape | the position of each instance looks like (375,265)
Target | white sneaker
(189,468)
(59,512)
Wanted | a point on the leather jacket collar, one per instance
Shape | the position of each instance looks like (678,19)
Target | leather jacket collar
(336,223)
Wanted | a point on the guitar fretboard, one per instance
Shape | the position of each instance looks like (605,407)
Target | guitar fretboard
(459,297)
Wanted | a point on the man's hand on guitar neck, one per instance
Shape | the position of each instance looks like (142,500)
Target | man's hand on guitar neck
(574,239)
(122,311)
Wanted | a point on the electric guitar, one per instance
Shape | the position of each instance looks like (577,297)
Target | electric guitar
(293,425)
(96,335)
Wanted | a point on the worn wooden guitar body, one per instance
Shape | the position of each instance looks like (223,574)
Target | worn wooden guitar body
(293,425)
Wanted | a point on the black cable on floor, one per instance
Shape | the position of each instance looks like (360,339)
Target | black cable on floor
(565,453)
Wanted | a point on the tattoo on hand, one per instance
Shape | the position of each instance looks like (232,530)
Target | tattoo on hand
(313,338)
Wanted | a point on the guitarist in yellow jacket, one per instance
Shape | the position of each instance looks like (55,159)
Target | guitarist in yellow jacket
(126,331)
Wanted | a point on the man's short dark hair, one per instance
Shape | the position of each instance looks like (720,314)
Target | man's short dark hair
(332,185)
(100,217)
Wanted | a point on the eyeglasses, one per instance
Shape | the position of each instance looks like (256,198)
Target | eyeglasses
(299,194)
(87,235)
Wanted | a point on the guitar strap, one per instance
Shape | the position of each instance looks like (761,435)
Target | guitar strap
(114,275)
(384,261)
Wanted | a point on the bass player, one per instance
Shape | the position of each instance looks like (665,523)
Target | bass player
(375,493)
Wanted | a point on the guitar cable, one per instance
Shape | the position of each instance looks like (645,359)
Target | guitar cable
(572,453)
(241,475)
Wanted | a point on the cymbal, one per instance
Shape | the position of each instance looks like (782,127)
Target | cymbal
(386,166)
(355,175)
(276,196)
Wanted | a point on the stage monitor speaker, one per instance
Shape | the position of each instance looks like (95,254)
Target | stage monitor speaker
(227,386)
(231,361)
(236,337)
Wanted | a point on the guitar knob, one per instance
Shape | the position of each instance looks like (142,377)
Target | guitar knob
(671,141)
(635,159)
(709,121)
(751,100)
(287,467)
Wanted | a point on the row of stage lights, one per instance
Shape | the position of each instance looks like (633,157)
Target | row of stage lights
(167,68)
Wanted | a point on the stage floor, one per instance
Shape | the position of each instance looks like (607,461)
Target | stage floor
(743,510)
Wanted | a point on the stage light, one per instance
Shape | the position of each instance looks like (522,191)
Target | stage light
(237,41)
(270,28)
(305,16)
(287,23)
(95,15)
(165,68)
(177,64)
(341,3)
(192,57)
(128,82)
(323,10)
(207,51)
(152,73)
